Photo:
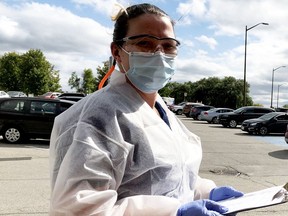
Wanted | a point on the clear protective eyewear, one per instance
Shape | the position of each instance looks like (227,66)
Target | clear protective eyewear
(149,44)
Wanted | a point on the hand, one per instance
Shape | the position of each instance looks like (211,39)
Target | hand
(222,193)
(201,208)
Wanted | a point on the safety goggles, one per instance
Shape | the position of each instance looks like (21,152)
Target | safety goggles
(150,44)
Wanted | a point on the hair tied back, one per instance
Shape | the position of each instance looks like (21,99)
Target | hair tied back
(118,10)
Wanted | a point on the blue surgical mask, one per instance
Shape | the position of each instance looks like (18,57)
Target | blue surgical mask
(150,72)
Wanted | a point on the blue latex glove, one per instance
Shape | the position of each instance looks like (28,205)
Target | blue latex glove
(201,208)
(222,193)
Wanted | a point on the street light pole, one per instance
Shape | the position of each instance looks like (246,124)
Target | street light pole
(272,88)
(245,54)
(278,93)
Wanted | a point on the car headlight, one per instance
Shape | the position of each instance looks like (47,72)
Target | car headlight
(253,124)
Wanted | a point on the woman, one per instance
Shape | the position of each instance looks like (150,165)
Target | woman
(120,151)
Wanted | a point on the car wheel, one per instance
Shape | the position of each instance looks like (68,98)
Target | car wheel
(263,131)
(215,120)
(179,112)
(232,123)
(12,135)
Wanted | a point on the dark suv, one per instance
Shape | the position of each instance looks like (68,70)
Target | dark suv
(232,119)
(29,117)
(196,110)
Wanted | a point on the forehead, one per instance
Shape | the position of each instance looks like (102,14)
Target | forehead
(155,25)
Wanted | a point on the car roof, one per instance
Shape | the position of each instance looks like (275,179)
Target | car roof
(36,99)
(72,94)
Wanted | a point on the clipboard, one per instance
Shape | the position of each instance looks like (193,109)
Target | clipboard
(258,199)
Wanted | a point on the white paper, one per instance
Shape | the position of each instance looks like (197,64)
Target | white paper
(262,198)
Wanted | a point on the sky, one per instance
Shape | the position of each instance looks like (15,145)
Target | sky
(76,34)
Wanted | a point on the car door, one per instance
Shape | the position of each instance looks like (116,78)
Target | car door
(248,113)
(280,124)
(42,114)
(12,112)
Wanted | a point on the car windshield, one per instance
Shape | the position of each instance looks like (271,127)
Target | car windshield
(268,116)
(239,110)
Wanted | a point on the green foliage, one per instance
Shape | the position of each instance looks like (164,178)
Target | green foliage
(85,84)
(10,72)
(88,84)
(29,72)
(101,72)
(260,105)
(226,92)
(285,106)
(75,82)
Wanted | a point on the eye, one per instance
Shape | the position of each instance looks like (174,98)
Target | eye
(145,43)
(169,46)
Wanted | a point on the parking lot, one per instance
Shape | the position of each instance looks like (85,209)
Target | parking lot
(230,157)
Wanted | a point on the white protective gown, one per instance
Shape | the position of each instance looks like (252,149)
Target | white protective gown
(111,154)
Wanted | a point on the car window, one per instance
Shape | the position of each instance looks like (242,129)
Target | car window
(64,106)
(12,105)
(227,110)
(249,111)
(43,107)
(282,117)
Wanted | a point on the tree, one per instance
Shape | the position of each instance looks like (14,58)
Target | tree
(226,92)
(88,84)
(29,72)
(10,72)
(101,72)
(75,82)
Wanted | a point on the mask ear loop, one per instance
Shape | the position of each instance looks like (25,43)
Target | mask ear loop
(107,75)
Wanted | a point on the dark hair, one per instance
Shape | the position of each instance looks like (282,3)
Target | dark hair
(121,24)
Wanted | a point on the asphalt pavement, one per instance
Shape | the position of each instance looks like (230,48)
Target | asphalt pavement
(230,157)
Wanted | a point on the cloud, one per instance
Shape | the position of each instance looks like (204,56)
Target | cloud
(211,42)
(192,8)
(70,42)
(74,36)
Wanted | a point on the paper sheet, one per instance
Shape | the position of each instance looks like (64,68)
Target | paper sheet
(258,199)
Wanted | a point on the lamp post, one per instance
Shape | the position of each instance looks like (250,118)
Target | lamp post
(246,30)
(274,69)
(278,93)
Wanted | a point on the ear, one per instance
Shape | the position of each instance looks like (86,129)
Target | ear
(115,52)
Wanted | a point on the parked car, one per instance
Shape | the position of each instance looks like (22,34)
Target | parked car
(188,106)
(281,109)
(286,134)
(3,94)
(274,122)
(16,94)
(71,96)
(211,115)
(177,109)
(29,117)
(51,95)
(232,119)
(196,110)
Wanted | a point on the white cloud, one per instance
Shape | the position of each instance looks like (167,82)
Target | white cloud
(68,41)
(211,34)
(211,42)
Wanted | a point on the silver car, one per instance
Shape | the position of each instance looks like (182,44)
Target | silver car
(211,115)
